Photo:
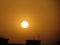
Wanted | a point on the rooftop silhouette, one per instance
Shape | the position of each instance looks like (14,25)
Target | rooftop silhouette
(33,42)
(4,41)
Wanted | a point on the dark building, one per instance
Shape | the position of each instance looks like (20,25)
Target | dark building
(58,43)
(3,41)
(33,42)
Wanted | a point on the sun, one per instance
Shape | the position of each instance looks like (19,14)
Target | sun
(25,24)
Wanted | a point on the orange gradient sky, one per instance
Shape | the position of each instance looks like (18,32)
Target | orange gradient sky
(42,16)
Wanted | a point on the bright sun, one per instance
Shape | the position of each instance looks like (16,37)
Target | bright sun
(24,24)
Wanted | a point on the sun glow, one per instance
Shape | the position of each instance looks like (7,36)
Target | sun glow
(25,24)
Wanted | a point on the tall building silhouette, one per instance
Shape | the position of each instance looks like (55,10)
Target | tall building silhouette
(58,43)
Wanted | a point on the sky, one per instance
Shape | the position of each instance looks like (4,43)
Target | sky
(42,16)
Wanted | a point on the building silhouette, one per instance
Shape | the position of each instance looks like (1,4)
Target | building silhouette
(33,42)
(3,41)
(58,43)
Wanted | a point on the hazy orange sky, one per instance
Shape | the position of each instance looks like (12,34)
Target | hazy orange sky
(42,16)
